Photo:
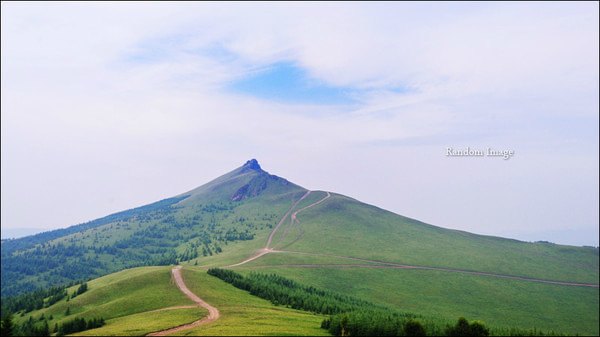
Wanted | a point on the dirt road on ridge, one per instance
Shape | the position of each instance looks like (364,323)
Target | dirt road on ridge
(293,219)
(379,264)
(283,219)
(267,250)
(213,313)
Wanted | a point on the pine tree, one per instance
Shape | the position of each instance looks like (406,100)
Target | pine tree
(45,330)
(82,288)
(7,325)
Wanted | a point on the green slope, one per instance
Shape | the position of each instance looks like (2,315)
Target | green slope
(120,295)
(246,315)
(343,227)
(126,300)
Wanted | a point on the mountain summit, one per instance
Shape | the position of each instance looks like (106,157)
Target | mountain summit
(258,183)
(251,164)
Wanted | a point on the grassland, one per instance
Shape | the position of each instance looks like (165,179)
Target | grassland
(496,301)
(123,300)
(246,315)
(343,226)
(286,258)
(126,300)
(143,323)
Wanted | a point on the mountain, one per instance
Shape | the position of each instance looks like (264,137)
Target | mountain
(251,221)
(202,222)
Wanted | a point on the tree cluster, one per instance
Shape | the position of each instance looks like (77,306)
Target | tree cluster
(32,328)
(282,291)
(79,324)
(464,328)
(34,300)
(377,323)
(349,316)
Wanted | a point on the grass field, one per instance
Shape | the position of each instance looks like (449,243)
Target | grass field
(120,299)
(287,258)
(365,231)
(368,232)
(496,301)
(125,300)
(144,323)
(246,315)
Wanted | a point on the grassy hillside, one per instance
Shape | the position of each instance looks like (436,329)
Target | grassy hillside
(244,314)
(126,300)
(498,302)
(120,295)
(343,227)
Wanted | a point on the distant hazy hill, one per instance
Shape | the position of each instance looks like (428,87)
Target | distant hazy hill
(15,233)
(327,240)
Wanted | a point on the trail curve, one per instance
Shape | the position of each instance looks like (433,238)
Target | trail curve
(267,250)
(213,313)
(283,219)
(293,219)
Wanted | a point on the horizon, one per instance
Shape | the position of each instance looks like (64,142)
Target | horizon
(110,106)
(33,231)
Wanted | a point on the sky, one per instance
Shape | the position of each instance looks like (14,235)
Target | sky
(108,106)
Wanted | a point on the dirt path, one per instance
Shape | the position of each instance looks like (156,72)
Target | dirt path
(283,219)
(267,250)
(260,253)
(293,219)
(213,313)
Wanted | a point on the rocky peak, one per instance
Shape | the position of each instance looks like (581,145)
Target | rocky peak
(251,164)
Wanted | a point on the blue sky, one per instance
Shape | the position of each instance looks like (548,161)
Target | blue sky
(287,83)
(109,106)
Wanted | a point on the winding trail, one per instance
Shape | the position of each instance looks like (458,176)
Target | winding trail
(213,313)
(283,219)
(293,219)
(375,263)
(267,250)
(261,252)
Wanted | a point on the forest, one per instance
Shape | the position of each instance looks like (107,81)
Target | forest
(157,234)
(31,328)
